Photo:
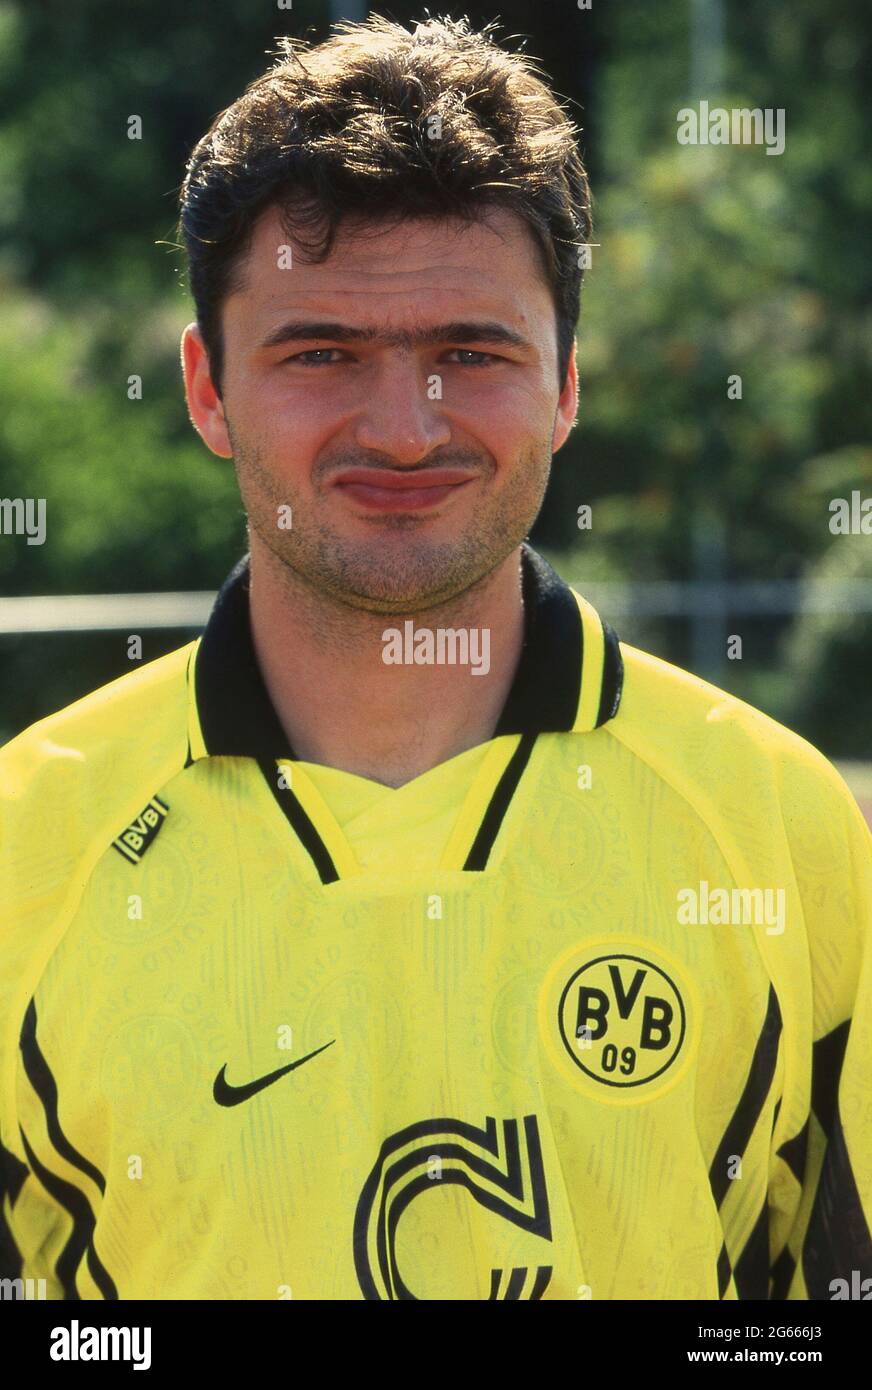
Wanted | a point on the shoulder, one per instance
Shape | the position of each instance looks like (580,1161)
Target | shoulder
(724,752)
(84,772)
(118,729)
(780,812)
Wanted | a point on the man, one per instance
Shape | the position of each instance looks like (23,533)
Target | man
(408,936)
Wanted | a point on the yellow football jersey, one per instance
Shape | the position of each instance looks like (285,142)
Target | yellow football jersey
(583,1012)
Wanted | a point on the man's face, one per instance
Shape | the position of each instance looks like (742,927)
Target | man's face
(413,459)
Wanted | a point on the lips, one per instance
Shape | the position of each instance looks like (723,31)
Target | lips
(389,489)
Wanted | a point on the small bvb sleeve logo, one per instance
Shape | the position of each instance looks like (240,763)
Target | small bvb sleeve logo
(135,839)
(622,1020)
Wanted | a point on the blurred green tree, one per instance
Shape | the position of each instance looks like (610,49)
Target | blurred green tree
(713,261)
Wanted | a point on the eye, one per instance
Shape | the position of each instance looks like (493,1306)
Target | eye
(471,352)
(305,358)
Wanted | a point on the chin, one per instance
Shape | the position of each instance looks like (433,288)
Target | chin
(390,572)
(380,593)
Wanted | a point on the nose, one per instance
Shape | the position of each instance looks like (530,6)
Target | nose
(400,417)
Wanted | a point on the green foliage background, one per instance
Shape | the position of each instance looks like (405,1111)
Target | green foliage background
(712,261)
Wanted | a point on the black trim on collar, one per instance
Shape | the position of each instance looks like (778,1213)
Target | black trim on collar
(237,717)
(613,676)
(544,694)
(302,826)
(499,805)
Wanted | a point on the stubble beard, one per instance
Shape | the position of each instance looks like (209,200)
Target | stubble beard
(401,569)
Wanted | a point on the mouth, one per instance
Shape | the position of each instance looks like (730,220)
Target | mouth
(392,490)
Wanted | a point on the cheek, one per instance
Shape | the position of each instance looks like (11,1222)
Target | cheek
(284,433)
(270,405)
(505,418)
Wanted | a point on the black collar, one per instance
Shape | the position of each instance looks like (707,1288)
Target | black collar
(237,717)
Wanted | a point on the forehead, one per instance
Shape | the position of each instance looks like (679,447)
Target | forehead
(493,264)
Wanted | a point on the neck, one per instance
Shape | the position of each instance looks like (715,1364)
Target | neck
(342,705)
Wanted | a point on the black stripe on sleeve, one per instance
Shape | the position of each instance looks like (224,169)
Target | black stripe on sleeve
(793,1152)
(41,1079)
(499,804)
(738,1132)
(782,1275)
(724,1271)
(12,1175)
(838,1241)
(752,1266)
(828,1054)
(81,1238)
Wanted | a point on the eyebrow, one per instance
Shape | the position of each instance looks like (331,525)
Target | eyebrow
(459,331)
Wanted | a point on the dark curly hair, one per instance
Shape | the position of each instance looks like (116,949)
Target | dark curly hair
(382,124)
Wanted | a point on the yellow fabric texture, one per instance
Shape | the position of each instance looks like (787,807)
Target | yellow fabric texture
(386,824)
(529,1081)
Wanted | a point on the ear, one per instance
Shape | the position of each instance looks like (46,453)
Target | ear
(567,406)
(204,404)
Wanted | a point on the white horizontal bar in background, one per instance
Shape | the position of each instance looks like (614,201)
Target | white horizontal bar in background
(104,612)
(658,599)
(683,599)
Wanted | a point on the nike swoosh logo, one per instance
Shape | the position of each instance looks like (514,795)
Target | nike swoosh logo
(225,1094)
